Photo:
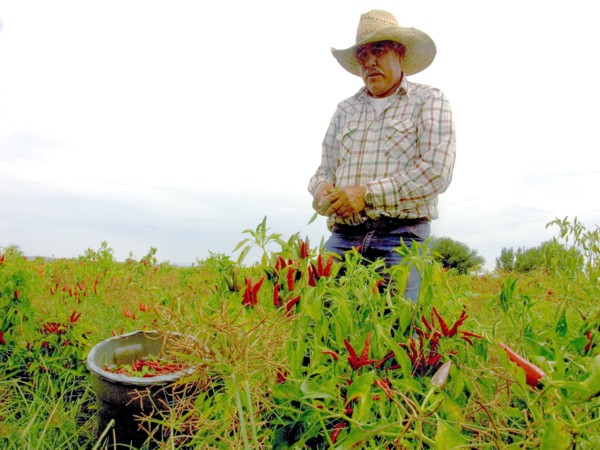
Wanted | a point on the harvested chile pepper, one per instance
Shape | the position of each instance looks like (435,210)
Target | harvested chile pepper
(533,374)
(146,368)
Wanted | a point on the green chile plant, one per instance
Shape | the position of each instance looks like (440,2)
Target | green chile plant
(355,363)
(313,352)
(303,350)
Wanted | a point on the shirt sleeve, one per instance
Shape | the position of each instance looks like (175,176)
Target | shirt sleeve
(327,168)
(431,174)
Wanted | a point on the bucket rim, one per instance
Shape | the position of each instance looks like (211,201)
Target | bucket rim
(135,381)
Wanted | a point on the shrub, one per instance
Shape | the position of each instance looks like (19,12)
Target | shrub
(455,255)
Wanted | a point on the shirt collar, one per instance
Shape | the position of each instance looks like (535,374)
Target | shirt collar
(402,89)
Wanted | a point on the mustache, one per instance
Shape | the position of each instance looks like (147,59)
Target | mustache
(374,71)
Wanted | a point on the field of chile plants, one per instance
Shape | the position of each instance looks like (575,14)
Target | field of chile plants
(302,351)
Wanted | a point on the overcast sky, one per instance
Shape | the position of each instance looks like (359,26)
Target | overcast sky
(178,124)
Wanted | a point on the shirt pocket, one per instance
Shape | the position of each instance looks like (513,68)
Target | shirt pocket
(345,140)
(401,140)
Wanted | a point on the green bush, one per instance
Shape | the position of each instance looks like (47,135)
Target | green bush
(456,255)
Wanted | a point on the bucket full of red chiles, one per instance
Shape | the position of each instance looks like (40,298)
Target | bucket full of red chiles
(141,375)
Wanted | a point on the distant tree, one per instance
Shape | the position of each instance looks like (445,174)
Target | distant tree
(528,259)
(551,255)
(506,260)
(455,255)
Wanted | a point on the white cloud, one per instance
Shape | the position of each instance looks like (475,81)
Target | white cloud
(119,120)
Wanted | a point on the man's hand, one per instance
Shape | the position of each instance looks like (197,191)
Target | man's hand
(320,202)
(346,201)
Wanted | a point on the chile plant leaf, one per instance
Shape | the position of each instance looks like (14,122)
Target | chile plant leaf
(448,437)
(361,389)
(555,436)
(314,389)
(561,324)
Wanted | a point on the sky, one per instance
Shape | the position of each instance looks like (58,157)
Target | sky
(177,125)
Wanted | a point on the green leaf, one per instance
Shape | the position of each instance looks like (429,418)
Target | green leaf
(448,437)
(561,324)
(287,391)
(313,218)
(361,386)
(313,389)
(361,389)
(555,436)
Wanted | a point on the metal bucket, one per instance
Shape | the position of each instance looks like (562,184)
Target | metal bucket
(126,399)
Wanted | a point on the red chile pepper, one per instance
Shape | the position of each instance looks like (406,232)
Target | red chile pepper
(281,376)
(53,328)
(533,374)
(385,385)
(588,346)
(114,333)
(382,361)
(2,258)
(279,264)
(290,279)
(276,299)
(354,360)
(467,335)
(328,264)
(334,355)
(250,296)
(459,322)
(448,332)
(2,340)
(289,306)
(336,431)
(312,275)
(74,316)
(304,248)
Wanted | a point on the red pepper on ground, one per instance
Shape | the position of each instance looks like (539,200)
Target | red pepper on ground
(533,374)
(2,340)
(354,360)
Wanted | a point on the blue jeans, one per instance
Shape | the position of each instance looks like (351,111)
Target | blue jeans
(376,239)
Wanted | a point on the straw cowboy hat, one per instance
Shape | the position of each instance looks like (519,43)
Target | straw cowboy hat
(380,25)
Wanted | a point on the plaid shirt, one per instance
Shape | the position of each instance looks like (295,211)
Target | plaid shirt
(404,156)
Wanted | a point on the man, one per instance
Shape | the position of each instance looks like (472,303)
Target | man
(389,150)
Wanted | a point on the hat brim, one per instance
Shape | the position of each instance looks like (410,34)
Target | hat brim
(420,49)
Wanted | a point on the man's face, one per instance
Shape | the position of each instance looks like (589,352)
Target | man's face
(379,67)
